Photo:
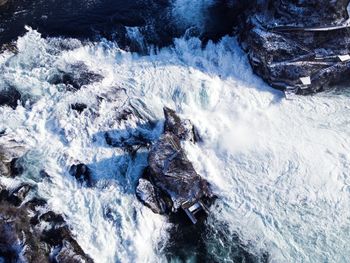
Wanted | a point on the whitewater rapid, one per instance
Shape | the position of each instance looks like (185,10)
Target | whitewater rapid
(278,166)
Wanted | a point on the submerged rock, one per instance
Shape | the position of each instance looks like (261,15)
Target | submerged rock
(79,107)
(171,182)
(82,173)
(75,76)
(3,2)
(298,46)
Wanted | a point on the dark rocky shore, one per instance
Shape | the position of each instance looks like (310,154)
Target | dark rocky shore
(29,230)
(299,47)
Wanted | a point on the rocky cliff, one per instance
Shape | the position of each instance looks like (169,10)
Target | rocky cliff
(299,47)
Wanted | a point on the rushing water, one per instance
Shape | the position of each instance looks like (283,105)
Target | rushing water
(279,167)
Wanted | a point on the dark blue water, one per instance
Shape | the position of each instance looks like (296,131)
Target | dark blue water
(93,19)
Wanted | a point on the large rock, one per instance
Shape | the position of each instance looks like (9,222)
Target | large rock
(171,180)
(298,46)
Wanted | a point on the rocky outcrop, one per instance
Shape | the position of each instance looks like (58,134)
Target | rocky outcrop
(31,233)
(299,47)
(171,181)
(11,150)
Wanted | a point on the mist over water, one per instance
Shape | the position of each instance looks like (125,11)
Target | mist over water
(279,167)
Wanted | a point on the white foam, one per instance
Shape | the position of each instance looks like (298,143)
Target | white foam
(280,167)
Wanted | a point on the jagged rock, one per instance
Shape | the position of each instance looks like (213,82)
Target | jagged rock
(12,47)
(183,129)
(81,172)
(295,45)
(67,254)
(51,216)
(19,194)
(171,180)
(174,174)
(28,234)
(75,76)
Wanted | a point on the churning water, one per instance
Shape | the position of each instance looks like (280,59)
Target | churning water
(279,167)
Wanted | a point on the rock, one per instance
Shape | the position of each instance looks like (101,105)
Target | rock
(82,173)
(295,45)
(51,216)
(67,254)
(79,107)
(10,97)
(11,47)
(75,76)
(31,233)
(11,150)
(174,174)
(151,197)
(171,181)
(19,194)
(3,2)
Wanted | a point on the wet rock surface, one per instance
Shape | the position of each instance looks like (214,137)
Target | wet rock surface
(3,2)
(298,46)
(31,233)
(11,150)
(79,107)
(171,180)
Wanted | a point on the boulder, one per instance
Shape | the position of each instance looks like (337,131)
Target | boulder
(299,47)
(170,182)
